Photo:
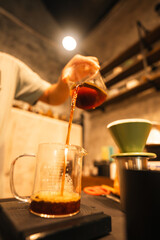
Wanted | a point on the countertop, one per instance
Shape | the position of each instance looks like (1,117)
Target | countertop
(109,207)
(113,209)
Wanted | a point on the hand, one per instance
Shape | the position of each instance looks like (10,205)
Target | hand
(79,67)
(76,69)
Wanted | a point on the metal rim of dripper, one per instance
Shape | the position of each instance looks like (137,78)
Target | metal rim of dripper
(134,154)
(134,160)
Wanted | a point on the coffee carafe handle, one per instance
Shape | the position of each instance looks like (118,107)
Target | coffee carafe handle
(12,185)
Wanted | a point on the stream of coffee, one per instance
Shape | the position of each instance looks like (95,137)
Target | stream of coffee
(73,104)
(85,96)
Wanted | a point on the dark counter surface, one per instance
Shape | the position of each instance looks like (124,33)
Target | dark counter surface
(109,207)
(113,209)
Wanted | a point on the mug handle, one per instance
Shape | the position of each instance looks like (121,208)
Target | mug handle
(12,186)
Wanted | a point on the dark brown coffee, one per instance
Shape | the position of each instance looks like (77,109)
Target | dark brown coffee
(54,204)
(89,96)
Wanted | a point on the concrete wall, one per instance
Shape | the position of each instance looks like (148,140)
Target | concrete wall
(20,24)
(118,30)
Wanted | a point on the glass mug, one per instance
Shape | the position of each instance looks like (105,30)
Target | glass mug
(91,91)
(57,183)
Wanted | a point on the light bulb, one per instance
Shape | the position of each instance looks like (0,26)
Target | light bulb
(69,43)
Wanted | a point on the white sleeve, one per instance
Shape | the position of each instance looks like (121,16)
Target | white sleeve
(29,85)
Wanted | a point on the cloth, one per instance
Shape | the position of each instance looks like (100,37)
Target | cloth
(17,81)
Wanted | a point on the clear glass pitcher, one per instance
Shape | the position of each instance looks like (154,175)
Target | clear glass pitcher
(57,184)
(91,91)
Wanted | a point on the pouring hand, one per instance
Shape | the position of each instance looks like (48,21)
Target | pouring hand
(80,67)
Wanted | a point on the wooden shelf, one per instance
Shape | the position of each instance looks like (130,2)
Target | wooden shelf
(152,37)
(151,56)
(153,81)
(137,66)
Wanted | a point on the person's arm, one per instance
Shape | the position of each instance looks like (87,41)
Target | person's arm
(31,88)
(76,69)
(56,94)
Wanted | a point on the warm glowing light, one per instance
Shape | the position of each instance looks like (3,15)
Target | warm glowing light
(66,154)
(69,43)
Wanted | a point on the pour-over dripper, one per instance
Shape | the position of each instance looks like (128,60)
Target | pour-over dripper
(130,135)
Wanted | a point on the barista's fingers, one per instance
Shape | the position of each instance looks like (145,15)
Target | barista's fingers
(66,73)
(80,67)
(94,59)
(69,74)
(89,60)
(79,59)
